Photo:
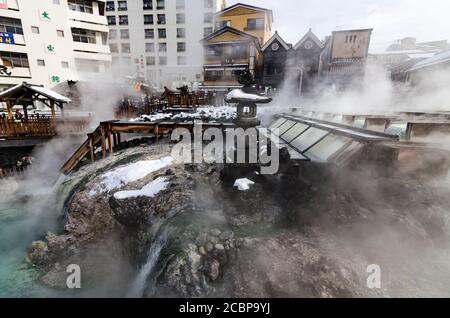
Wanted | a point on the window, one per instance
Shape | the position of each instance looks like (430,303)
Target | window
(122,6)
(162,47)
(222,24)
(149,33)
(160,4)
(14,59)
(148,4)
(35,30)
(209,4)
(110,6)
(64,64)
(124,34)
(83,36)
(181,4)
(114,48)
(181,60)
(181,33)
(80,6)
(255,24)
(161,19)
(162,33)
(111,20)
(123,19)
(181,47)
(163,60)
(207,31)
(150,60)
(148,19)
(112,34)
(60,33)
(181,18)
(149,47)
(11,25)
(125,47)
(208,18)
(40,62)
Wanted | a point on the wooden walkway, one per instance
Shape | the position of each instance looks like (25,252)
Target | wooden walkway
(107,136)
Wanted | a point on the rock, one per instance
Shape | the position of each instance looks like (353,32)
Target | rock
(55,279)
(212,269)
(39,254)
(215,232)
(209,247)
(202,250)
(219,247)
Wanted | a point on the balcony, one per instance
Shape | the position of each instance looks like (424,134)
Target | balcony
(88,21)
(22,72)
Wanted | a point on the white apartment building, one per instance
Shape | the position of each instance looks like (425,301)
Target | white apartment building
(48,42)
(159,40)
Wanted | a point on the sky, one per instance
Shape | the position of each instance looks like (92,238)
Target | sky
(426,20)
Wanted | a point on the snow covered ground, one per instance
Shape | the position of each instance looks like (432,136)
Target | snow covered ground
(243,184)
(150,190)
(210,113)
(123,175)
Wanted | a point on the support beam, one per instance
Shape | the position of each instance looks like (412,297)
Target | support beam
(110,141)
(103,140)
(91,148)
(9,107)
(52,107)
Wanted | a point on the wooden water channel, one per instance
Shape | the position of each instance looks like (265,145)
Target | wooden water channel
(107,136)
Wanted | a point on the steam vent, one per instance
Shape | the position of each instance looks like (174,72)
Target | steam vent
(188,150)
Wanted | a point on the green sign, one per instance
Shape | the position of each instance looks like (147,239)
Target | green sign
(55,79)
(45,15)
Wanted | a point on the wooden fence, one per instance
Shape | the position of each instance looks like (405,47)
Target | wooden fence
(32,127)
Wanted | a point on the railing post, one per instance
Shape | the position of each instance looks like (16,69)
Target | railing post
(9,107)
(103,140)
(110,142)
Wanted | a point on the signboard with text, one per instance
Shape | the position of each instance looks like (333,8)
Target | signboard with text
(7,38)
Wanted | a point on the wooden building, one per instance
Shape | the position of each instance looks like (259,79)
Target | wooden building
(228,52)
(344,55)
(306,54)
(276,53)
(253,20)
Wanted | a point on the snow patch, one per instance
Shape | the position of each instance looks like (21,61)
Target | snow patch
(243,184)
(202,113)
(150,190)
(123,175)
(240,94)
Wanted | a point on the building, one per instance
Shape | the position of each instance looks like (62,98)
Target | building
(409,49)
(235,45)
(228,52)
(344,55)
(306,54)
(276,53)
(159,40)
(425,69)
(253,20)
(49,42)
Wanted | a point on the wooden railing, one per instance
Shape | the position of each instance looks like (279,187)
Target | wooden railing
(23,127)
(191,100)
